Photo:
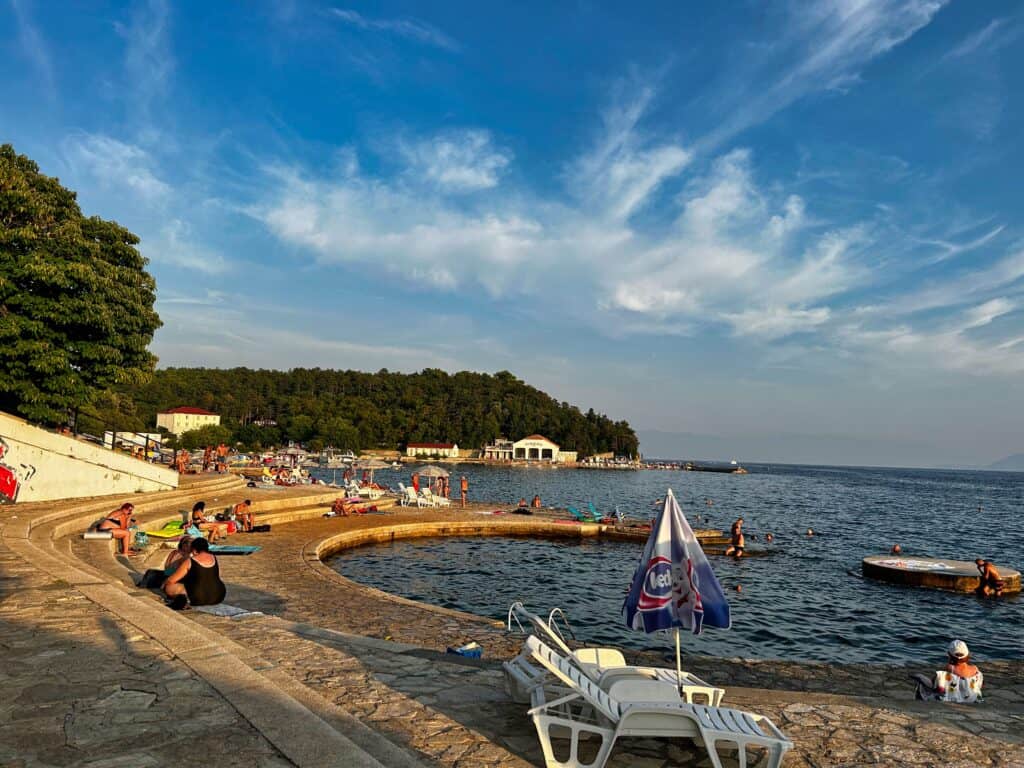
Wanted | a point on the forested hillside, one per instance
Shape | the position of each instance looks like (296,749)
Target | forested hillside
(350,409)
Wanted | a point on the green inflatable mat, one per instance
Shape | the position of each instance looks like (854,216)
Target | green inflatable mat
(169,531)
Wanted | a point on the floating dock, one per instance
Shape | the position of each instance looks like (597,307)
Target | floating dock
(935,573)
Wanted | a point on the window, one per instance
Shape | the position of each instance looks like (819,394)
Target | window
(546,454)
(520,453)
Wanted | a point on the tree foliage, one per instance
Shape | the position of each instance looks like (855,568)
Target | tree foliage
(76,302)
(356,410)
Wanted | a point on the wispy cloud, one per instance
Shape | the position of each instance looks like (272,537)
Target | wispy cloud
(115,164)
(409,28)
(33,45)
(148,59)
(461,161)
(825,47)
(175,245)
(993,35)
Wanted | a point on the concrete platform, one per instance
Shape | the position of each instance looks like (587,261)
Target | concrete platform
(934,573)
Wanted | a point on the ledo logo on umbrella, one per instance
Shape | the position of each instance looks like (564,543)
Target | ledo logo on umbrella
(656,591)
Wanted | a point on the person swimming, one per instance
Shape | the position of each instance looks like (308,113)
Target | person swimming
(737,542)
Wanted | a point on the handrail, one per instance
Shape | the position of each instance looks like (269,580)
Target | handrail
(513,612)
(565,620)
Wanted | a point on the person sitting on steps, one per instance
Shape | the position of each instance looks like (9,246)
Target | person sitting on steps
(118,522)
(197,580)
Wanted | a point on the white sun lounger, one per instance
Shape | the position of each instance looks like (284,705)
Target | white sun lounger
(434,500)
(604,666)
(634,707)
(357,490)
(411,497)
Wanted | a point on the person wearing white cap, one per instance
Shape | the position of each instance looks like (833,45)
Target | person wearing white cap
(960,682)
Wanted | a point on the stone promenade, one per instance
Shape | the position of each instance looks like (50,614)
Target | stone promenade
(95,672)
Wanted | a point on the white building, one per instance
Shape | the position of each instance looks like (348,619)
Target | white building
(429,450)
(535,448)
(185,418)
(499,450)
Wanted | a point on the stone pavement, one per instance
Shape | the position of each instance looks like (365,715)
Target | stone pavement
(82,687)
(370,665)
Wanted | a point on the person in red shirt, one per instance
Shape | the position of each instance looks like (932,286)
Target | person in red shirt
(464,487)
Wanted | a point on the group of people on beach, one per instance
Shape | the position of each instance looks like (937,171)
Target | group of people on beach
(214,459)
(441,486)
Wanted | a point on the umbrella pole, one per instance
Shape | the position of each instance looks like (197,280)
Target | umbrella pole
(679,663)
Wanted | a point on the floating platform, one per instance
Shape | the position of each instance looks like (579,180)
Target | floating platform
(935,573)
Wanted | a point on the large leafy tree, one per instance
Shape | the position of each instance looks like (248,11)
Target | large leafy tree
(76,302)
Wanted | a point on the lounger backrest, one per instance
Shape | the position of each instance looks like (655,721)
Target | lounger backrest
(542,628)
(565,671)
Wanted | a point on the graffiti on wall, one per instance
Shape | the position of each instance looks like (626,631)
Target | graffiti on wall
(11,478)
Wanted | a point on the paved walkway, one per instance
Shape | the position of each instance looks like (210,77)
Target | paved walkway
(98,673)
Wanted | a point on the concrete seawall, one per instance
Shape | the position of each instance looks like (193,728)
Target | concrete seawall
(37,465)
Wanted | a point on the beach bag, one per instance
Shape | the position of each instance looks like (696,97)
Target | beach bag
(194,532)
(141,539)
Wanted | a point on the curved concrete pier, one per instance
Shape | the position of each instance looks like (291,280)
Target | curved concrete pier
(934,573)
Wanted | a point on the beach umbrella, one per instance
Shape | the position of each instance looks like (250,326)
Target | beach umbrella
(432,470)
(673,586)
(371,465)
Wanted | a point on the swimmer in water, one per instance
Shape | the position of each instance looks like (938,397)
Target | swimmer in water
(769,538)
(991,583)
(736,543)
(896,549)
(810,531)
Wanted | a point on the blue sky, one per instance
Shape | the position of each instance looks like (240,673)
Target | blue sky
(747,220)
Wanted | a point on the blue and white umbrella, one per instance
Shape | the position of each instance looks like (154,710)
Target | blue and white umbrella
(673,586)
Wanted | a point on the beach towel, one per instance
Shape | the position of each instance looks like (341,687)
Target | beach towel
(233,549)
(228,611)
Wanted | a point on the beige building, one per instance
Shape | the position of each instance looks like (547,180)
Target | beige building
(181,420)
(444,450)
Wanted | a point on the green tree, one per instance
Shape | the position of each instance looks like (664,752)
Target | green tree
(211,434)
(76,302)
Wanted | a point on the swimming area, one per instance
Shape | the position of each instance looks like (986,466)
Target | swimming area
(806,600)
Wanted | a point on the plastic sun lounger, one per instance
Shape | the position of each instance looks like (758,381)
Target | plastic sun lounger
(603,666)
(411,498)
(642,708)
(580,516)
(433,500)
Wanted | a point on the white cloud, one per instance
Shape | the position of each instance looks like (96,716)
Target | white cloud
(619,175)
(825,46)
(984,38)
(173,244)
(983,314)
(412,29)
(33,45)
(461,161)
(115,164)
(777,322)
(148,60)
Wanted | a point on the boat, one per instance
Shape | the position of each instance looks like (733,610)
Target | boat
(731,468)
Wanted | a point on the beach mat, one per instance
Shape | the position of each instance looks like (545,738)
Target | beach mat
(169,531)
(233,549)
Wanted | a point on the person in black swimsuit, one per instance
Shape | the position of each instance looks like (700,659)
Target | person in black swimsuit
(197,580)
(736,543)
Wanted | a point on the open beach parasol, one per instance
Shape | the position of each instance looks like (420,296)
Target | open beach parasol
(432,470)
(370,465)
(673,586)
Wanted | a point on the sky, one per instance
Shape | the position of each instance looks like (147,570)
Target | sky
(766,223)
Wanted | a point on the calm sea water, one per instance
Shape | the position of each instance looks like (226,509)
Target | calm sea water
(806,600)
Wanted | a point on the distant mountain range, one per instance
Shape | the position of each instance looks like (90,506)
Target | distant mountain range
(1013,463)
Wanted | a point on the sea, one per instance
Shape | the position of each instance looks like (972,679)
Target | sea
(804,600)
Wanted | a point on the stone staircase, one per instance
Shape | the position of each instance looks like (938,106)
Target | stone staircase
(305,727)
